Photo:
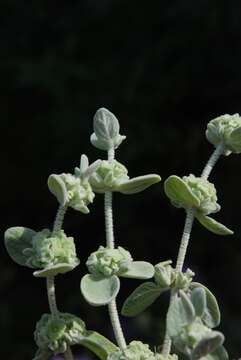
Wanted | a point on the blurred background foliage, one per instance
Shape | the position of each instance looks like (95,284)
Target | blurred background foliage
(164,68)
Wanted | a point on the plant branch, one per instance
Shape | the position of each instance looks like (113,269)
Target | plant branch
(110,242)
(186,237)
(50,279)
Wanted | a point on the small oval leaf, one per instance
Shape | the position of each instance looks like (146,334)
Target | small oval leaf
(84,163)
(17,239)
(138,184)
(179,192)
(54,270)
(57,188)
(211,316)
(212,225)
(208,345)
(99,291)
(106,125)
(199,301)
(141,298)
(139,270)
(98,344)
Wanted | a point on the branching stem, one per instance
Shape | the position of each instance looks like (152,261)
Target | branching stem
(186,237)
(110,242)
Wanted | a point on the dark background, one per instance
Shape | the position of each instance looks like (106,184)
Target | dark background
(165,68)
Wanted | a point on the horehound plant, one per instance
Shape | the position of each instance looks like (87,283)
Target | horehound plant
(193,311)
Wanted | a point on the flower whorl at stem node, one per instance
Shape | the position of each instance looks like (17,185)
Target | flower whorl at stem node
(225,129)
(57,334)
(136,350)
(108,262)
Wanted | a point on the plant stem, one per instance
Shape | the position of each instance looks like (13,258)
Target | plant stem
(186,237)
(212,161)
(110,242)
(50,279)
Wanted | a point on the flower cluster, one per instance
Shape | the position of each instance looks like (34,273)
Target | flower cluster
(51,249)
(226,130)
(108,262)
(108,176)
(136,350)
(56,334)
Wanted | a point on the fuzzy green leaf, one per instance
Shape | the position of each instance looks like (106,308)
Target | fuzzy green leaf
(106,125)
(199,301)
(181,312)
(212,225)
(98,344)
(141,298)
(17,239)
(187,308)
(138,184)
(219,354)
(84,163)
(58,188)
(139,270)
(99,291)
(179,192)
(207,345)
(211,316)
(55,270)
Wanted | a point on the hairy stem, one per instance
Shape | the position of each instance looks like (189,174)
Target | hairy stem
(212,161)
(110,242)
(186,237)
(50,279)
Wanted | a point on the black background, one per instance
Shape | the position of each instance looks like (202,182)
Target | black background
(165,68)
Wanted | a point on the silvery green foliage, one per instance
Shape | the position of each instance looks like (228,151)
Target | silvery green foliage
(105,265)
(106,131)
(51,253)
(113,176)
(166,278)
(195,192)
(75,190)
(136,350)
(107,262)
(226,130)
(56,334)
(186,326)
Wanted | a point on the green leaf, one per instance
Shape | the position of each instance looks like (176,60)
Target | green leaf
(179,192)
(54,270)
(84,163)
(211,316)
(101,143)
(187,308)
(181,312)
(207,345)
(99,291)
(219,354)
(139,270)
(98,344)
(138,184)
(199,301)
(17,239)
(141,298)
(212,225)
(58,188)
(106,125)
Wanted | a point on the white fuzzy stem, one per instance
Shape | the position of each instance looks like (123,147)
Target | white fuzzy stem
(50,279)
(110,243)
(186,237)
